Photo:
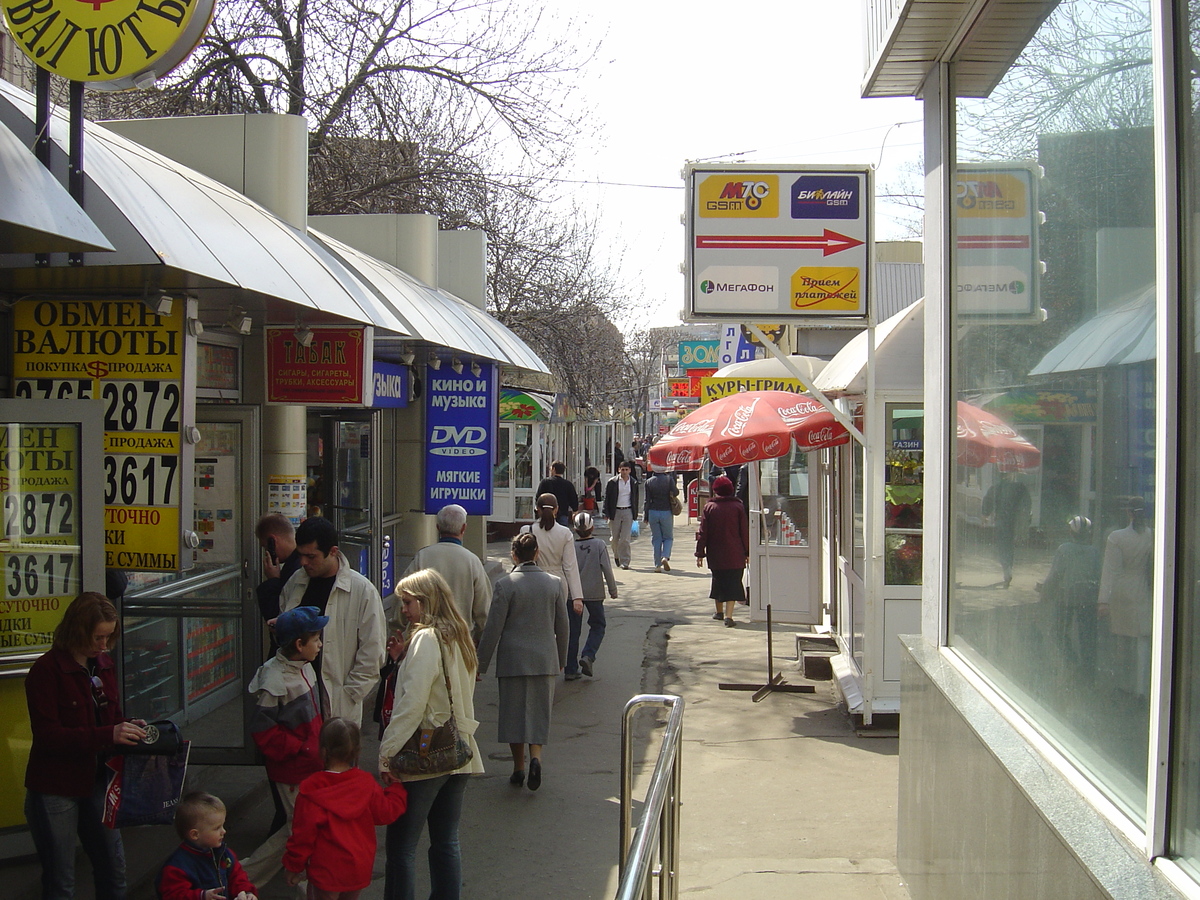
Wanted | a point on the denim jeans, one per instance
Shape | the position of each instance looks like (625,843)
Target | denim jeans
(596,623)
(662,532)
(438,801)
(54,822)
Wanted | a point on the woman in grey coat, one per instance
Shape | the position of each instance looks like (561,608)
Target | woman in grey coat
(527,631)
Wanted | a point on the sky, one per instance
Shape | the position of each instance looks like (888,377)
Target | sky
(763,81)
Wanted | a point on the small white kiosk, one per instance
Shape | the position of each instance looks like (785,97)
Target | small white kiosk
(871,547)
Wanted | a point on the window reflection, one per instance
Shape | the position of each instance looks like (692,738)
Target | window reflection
(1054,376)
(784,486)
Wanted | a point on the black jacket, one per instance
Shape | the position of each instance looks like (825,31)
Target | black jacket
(660,488)
(610,496)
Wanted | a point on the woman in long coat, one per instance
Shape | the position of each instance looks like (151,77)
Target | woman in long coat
(724,537)
(556,549)
(527,631)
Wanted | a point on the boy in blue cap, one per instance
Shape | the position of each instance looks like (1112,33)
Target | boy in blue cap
(287,723)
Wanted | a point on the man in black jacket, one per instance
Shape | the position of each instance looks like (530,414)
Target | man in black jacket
(620,505)
(557,484)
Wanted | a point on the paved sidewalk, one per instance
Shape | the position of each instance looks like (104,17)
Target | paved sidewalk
(781,798)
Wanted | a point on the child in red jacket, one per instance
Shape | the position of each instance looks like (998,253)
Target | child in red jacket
(333,831)
(287,722)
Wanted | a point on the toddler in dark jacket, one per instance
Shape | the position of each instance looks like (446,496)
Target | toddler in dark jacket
(203,868)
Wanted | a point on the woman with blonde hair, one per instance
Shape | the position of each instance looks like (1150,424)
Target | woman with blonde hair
(439,651)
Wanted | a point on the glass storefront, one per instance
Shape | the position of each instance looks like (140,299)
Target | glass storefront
(783,483)
(903,494)
(1053,360)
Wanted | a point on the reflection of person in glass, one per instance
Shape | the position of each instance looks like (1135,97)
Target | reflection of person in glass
(1071,587)
(1008,502)
(1125,596)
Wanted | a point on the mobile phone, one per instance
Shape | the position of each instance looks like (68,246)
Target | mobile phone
(271,550)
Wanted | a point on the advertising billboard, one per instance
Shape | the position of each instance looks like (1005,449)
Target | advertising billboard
(783,242)
(461,420)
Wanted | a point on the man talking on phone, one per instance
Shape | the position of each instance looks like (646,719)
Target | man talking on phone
(277,536)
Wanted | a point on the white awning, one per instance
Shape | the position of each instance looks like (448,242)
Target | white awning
(772,367)
(431,314)
(162,216)
(1114,337)
(899,357)
(37,215)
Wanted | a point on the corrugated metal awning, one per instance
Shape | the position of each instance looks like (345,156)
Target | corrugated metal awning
(1115,337)
(37,215)
(431,314)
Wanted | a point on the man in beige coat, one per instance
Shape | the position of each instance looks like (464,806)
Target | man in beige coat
(462,569)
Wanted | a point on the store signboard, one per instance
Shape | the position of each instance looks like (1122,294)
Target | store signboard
(110,44)
(389,385)
(736,347)
(783,242)
(997,272)
(715,388)
(679,388)
(333,370)
(129,359)
(699,354)
(461,421)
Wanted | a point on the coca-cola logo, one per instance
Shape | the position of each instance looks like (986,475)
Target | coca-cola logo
(749,449)
(740,419)
(820,436)
(678,457)
(723,454)
(773,446)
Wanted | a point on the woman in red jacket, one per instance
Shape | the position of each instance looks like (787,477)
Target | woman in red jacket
(76,720)
(724,537)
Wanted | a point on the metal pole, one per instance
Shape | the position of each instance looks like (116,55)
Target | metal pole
(75,163)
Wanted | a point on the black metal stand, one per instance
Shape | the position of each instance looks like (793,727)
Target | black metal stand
(775,683)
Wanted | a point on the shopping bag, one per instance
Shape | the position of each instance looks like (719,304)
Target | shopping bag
(633,528)
(144,790)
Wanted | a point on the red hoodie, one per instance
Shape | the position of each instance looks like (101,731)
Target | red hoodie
(333,830)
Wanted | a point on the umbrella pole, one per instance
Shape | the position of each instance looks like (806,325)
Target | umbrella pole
(775,683)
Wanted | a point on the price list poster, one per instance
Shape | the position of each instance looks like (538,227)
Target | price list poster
(123,355)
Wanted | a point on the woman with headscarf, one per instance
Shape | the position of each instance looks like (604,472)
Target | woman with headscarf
(527,631)
(724,538)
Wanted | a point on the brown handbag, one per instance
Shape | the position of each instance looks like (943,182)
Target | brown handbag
(434,751)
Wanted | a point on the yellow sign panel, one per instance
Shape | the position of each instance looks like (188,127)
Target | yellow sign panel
(713,388)
(833,288)
(106,40)
(128,358)
(726,196)
(981,194)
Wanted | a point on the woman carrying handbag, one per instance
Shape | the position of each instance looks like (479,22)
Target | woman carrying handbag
(435,685)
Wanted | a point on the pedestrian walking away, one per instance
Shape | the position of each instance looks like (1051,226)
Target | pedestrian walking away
(527,633)
(462,569)
(660,488)
(595,571)
(556,548)
(621,496)
(724,538)
(563,491)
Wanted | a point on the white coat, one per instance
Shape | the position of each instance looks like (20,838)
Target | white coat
(556,555)
(354,639)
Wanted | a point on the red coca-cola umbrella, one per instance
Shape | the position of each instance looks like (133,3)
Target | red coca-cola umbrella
(746,427)
(983,438)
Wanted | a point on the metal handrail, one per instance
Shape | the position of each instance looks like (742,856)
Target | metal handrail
(660,811)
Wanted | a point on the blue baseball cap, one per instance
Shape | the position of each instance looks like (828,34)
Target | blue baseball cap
(295,623)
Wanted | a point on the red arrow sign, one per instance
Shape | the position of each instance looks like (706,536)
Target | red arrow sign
(828,243)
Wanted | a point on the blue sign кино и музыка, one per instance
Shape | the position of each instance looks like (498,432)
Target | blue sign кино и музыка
(461,419)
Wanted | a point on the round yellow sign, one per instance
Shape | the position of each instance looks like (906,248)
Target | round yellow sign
(111,44)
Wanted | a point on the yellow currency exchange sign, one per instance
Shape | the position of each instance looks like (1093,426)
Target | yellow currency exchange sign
(118,353)
(103,41)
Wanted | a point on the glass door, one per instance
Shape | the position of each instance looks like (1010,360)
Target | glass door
(343,449)
(192,641)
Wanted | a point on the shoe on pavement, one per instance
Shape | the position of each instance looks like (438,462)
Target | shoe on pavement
(585,663)
(729,623)
(658,568)
(535,773)
(718,616)
(517,778)
(571,676)
(666,564)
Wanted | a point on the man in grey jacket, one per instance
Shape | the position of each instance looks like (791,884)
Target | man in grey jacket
(462,569)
